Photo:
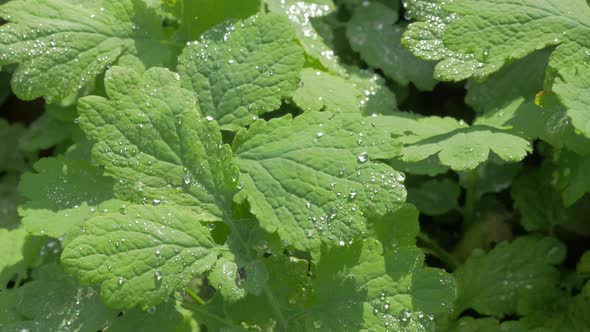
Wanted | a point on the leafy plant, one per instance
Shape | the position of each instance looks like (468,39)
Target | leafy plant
(279,165)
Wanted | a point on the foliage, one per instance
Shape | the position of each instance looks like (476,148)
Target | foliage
(282,165)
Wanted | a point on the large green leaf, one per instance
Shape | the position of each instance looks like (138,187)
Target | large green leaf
(510,277)
(62,194)
(141,255)
(243,72)
(314,179)
(54,301)
(483,32)
(303,16)
(62,46)
(379,291)
(153,141)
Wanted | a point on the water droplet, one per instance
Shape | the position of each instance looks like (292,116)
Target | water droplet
(158,274)
(209,118)
(363,157)
(320,134)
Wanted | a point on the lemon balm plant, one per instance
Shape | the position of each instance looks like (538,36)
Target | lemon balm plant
(281,165)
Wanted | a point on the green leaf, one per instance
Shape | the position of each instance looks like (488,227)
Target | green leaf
(196,16)
(18,251)
(63,194)
(373,33)
(490,177)
(511,275)
(152,140)
(11,157)
(516,83)
(62,46)
(362,91)
(9,201)
(572,86)
(54,126)
(425,39)
(465,148)
(542,24)
(323,91)
(316,180)
(539,204)
(430,166)
(508,100)
(397,229)
(244,72)
(302,15)
(571,176)
(378,291)
(53,301)
(458,146)
(8,310)
(289,287)
(567,314)
(377,98)
(470,324)
(160,150)
(142,255)
(165,317)
(435,197)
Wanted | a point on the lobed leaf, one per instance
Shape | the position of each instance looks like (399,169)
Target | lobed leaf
(244,72)
(511,275)
(483,34)
(63,194)
(53,301)
(303,16)
(61,46)
(141,255)
(458,146)
(373,33)
(316,181)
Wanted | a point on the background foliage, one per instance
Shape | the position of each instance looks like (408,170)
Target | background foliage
(281,165)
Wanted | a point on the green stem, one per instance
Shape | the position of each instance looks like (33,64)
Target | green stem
(470,199)
(204,312)
(447,258)
(194,296)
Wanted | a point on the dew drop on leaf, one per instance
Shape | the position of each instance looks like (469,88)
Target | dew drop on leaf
(363,157)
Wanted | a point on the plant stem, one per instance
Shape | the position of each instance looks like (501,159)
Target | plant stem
(194,296)
(470,199)
(447,258)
